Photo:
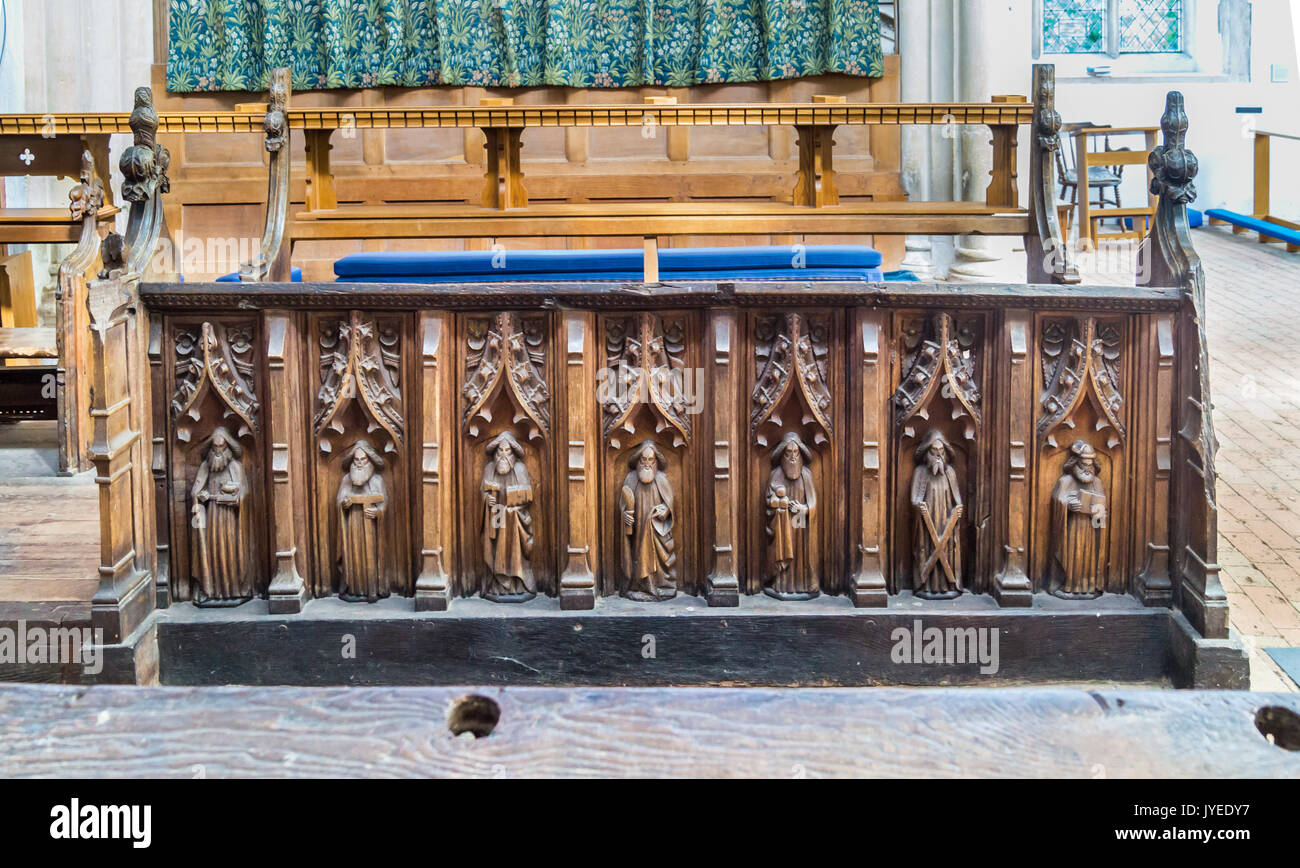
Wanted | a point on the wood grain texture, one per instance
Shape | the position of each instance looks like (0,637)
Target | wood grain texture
(386,732)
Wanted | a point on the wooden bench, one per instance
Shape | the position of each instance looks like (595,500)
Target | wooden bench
(1268,227)
(814,205)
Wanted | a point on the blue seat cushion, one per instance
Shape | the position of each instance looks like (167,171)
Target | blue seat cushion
(1263,227)
(295,275)
(799,262)
(1194,218)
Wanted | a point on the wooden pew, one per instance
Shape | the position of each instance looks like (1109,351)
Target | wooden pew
(813,206)
(59,391)
(498,467)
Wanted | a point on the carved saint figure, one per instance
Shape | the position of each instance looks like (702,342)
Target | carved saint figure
(936,527)
(220,491)
(507,525)
(645,517)
(791,500)
(361,503)
(1078,518)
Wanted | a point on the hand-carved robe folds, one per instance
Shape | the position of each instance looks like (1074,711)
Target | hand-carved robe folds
(1076,563)
(507,531)
(790,504)
(648,556)
(220,562)
(941,495)
(362,539)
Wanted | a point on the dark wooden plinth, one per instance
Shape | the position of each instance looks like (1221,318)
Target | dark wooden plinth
(825,642)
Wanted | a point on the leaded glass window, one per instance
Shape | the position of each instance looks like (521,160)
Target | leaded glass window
(1150,26)
(1074,26)
(1114,27)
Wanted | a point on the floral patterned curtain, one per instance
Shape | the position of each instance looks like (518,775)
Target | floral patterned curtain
(231,44)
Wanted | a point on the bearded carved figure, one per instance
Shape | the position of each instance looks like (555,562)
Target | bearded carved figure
(645,519)
(362,502)
(937,510)
(218,518)
(791,500)
(1078,504)
(507,523)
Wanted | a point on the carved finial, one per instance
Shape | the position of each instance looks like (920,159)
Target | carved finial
(276,123)
(1173,166)
(87,197)
(144,164)
(1049,119)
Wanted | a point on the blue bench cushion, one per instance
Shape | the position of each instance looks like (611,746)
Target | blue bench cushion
(295,274)
(1263,227)
(807,262)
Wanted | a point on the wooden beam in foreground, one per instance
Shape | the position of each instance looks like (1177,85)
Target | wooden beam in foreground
(115,732)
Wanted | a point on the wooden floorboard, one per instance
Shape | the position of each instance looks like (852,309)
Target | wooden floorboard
(118,732)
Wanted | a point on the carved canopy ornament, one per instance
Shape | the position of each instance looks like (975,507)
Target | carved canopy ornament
(943,363)
(505,353)
(204,361)
(793,355)
(144,165)
(647,365)
(359,361)
(1173,166)
(1080,358)
(87,197)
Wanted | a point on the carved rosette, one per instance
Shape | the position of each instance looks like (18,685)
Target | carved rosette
(507,353)
(359,362)
(1080,359)
(790,351)
(646,365)
(1173,166)
(223,365)
(940,362)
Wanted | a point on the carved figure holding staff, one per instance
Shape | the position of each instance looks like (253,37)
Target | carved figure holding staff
(938,509)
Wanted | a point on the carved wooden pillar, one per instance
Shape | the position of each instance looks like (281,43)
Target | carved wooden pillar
(869,392)
(723,588)
(1003,190)
(432,586)
(1152,442)
(125,595)
(272,260)
(1011,584)
(287,593)
(1193,500)
(158,451)
(72,333)
(580,453)
(320,178)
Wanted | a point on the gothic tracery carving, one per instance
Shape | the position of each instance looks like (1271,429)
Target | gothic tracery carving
(939,358)
(1080,358)
(507,353)
(646,365)
(360,361)
(791,350)
(225,365)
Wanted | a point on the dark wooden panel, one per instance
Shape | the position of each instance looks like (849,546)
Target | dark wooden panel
(825,642)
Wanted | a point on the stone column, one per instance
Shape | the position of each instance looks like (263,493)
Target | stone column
(976,258)
(913,32)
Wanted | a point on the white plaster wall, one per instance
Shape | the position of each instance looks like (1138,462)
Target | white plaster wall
(69,56)
(1220,138)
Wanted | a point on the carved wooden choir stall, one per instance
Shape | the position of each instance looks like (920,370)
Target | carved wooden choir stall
(522,482)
